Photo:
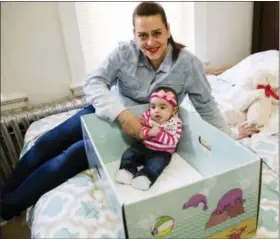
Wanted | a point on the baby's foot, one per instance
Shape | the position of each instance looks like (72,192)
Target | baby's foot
(123,176)
(141,182)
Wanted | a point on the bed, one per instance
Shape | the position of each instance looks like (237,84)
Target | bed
(77,208)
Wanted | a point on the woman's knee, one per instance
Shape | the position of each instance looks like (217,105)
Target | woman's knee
(77,149)
(72,126)
(65,134)
(73,158)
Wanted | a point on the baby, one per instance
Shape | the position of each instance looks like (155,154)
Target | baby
(162,129)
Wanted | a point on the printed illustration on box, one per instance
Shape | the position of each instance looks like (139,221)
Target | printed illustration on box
(195,200)
(245,229)
(230,205)
(215,209)
(236,233)
(162,226)
(218,196)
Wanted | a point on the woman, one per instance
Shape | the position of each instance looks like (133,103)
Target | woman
(137,68)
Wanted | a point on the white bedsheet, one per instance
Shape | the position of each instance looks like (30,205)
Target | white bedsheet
(177,174)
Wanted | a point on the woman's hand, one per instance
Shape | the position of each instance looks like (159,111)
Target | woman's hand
(130,124)
(143,122)
(246,130)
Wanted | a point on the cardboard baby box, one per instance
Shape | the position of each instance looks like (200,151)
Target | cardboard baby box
(210,189)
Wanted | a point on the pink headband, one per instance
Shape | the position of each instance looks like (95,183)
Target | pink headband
(168,96)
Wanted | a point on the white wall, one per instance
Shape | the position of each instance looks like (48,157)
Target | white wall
(33,58)
(223,31)
(217,32)
(103,24)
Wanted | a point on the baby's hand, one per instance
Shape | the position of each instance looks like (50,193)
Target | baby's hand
(152,123)
(154,131)
(141,135)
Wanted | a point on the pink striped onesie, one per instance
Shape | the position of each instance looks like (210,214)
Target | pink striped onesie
(168,136)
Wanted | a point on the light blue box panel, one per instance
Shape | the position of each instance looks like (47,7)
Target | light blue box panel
(226,198)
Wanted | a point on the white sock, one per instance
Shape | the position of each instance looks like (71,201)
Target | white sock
(123,176)
(141,182)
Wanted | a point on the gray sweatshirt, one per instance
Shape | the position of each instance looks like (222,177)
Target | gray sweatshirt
(126,78)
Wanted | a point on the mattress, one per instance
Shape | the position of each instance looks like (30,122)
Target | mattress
(177,174)
(77,208)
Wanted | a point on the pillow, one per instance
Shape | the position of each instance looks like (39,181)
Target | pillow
(240,73)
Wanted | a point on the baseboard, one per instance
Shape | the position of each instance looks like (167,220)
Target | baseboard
(217,71)
(77,90)
(13,102)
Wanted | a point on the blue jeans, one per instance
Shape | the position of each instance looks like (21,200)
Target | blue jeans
(55,157)
(154,162)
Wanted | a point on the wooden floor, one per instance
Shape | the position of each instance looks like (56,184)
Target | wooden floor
(15,228)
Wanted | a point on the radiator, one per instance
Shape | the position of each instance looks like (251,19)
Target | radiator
(15,124)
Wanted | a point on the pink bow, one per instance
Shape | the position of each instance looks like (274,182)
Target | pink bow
(168,96)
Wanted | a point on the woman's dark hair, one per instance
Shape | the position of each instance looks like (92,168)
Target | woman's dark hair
(151,9)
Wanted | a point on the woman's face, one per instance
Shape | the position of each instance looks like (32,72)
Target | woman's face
(152,37)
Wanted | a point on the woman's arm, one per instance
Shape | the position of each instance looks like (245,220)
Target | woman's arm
(199,91)
(97,87)
(107,105)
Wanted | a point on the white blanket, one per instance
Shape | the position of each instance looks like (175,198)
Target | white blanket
(236,81)
(225,95)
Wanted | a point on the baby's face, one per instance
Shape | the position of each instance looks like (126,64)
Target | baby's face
(161,110)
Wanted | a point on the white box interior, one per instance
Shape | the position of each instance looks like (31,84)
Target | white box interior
(177,174)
